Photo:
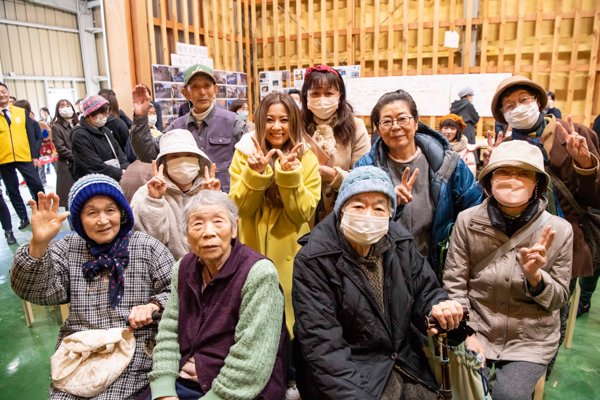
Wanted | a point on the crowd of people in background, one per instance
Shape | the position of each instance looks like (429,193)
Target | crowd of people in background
(289,253)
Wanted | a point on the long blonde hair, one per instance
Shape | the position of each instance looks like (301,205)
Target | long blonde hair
(296,131)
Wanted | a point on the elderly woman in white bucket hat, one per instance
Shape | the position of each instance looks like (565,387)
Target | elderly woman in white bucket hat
(510,262)
(180,171)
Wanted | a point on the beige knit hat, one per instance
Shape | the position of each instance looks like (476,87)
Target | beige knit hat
(517,153)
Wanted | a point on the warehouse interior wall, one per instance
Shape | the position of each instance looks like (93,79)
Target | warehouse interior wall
(555,43)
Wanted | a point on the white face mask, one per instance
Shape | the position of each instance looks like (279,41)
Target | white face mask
(323,107)
(99,122)
(364,229)
(523,116)
(183,170)
(152,119)
(512,192)
(550,104)
(66,112)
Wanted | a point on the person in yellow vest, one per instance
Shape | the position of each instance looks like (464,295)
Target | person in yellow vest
(18,151)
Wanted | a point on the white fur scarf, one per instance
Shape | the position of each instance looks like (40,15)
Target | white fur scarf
(246,144)
(324,135)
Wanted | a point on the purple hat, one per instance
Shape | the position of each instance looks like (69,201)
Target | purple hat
(91,104)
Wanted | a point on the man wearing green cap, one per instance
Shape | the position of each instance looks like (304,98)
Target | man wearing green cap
(215,130)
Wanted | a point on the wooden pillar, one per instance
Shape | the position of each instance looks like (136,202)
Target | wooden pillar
(121,62)
(141,50)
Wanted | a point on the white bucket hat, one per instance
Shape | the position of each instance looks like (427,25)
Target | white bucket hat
(520,154)
(181,141)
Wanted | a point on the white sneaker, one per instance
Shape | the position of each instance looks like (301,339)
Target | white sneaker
(292,392)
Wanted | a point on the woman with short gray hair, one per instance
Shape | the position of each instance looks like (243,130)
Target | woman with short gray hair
(232,342)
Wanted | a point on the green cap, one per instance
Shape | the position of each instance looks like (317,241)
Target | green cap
(197,69)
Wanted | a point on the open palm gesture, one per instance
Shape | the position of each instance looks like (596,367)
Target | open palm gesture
(290,161)
(157,186)
(210,182)
(258,161)
(141,101)
(45,221)
(577,146)
(492,144)
(403,191)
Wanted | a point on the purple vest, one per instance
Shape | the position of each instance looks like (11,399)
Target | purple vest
(216,141)
(208,319)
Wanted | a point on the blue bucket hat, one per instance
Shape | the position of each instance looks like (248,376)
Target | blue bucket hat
(98,185)
(363,180)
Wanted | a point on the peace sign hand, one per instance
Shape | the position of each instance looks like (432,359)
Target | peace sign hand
(577,146)
(258,161)
(289,162)
(45,222)
(210,182)
(491,146)
(157,186)
(403,191)
(533,258)
(141,101)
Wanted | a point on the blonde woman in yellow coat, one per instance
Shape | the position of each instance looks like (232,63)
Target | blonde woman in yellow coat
(276,185)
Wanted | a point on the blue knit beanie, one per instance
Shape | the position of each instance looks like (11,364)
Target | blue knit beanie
(98,185)
(362,180)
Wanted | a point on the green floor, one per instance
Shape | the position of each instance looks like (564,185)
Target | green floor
(25,352)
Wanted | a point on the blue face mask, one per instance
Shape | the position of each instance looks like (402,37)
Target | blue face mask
(243,114)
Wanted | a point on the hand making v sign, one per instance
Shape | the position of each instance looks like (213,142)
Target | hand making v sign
(290,161)
(258,161)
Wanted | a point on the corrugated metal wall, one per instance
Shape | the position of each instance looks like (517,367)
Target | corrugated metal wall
(41,52)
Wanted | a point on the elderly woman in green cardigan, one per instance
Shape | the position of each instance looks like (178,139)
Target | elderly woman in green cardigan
(232,342)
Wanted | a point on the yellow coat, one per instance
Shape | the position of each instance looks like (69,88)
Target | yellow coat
(274,232)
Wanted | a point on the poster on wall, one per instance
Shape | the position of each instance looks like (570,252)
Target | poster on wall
(232,86)
(345,71)
(272,81)
(167,90)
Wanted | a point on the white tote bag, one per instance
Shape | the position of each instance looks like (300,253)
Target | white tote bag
(87,362)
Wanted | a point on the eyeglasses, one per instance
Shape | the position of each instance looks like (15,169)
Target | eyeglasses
(505,173)
(509,106)
(387,124)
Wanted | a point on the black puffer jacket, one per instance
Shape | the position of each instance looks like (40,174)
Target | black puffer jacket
(90,149)
(119,130)
(345,347)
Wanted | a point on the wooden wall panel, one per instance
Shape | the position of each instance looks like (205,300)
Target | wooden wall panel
(395,37)
(551,41)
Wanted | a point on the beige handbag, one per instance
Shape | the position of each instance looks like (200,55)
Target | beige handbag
(87,362)
(466,381)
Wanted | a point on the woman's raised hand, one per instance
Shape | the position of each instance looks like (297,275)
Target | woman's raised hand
(157,186)
(492,144)
(577,146)
(533,258)
(210,182)
(290,161)
(258,161)
(45,222)
(403,191)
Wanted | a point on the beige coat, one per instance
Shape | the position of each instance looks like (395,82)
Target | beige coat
(511,324)
(163,218)
(343,159)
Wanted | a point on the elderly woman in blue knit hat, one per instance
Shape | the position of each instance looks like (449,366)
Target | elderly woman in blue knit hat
(107,273)
(360,292)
